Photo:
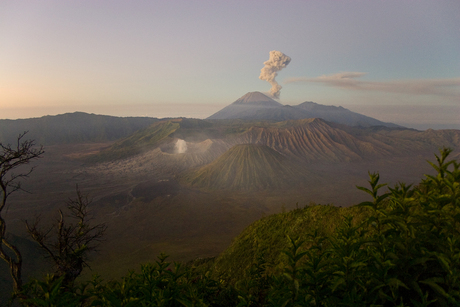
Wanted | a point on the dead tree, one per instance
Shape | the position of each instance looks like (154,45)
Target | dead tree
(11,158)
(69,241)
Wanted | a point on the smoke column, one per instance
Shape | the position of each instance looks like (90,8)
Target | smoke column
(181,146)
(276,62)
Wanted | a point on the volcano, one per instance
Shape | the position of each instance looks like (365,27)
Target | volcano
(257,99)
(257,106)
(248,106)
(248,167)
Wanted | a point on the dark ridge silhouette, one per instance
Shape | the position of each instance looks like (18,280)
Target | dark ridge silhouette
(70,128)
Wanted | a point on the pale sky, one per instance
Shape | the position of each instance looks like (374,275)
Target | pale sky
(395,60)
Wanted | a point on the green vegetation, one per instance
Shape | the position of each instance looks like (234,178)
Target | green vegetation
(143,139)
(401,248)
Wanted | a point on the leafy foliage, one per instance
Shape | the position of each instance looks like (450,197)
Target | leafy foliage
(402,248)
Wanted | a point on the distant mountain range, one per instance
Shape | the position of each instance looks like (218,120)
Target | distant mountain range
(79,127)
(260,155)
(305,140)
(70,128)
(257,106)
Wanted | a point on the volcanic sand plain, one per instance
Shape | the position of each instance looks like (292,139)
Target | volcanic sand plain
(148,210)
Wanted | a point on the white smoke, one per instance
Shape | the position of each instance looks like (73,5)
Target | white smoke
(276,62)
(180,147)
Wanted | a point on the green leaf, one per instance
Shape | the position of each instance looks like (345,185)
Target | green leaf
(430,282)
(337,283)
(396,283)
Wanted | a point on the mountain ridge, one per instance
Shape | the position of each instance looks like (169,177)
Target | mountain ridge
(72,128)
(308,140)
(257,106)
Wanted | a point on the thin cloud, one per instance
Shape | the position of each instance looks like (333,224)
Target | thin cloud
(349,80)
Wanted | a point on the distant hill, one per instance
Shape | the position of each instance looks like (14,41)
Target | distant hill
(140,140)
(70,128)
(257,106)
(340,115)
(247,167)
(161,133)
(313,140)
(306,140)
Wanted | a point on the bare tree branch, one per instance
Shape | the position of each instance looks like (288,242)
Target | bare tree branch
(11,158)
(72,242)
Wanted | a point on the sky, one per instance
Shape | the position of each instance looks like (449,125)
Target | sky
(394,60)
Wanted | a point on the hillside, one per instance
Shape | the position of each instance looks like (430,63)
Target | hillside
(257,106)
(141,140)
(247,167)
(340,115)
(162,133)
(400,141)
(400,245)
(312,140)
(71,128)
(300,142)
(267,238)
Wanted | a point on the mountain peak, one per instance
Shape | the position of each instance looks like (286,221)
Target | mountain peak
(258,106)
(257,98)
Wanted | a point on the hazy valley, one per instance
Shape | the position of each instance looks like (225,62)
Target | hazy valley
(187,187)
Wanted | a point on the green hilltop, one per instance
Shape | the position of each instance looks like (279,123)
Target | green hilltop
(143,139)
(156,134)
(267,238)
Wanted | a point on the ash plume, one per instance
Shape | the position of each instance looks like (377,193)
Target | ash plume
(180,147)
(275,63)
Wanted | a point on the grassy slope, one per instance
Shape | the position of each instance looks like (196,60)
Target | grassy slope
(136,143)
(267,237)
